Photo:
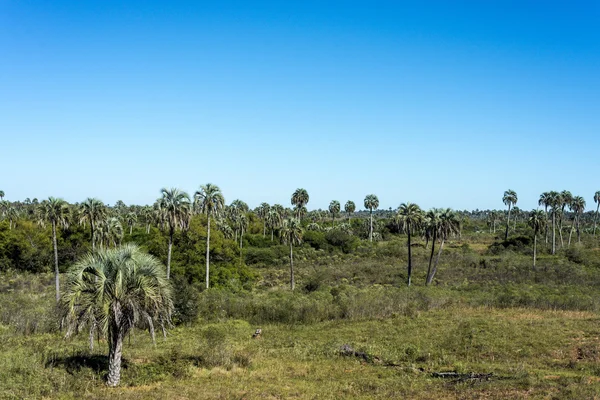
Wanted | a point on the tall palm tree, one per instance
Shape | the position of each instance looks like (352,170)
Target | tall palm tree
(291,233)
(210,201)
(93,211)
(545,201)
(54,211)
(334,209)
(238,211)
(565,200)
(300,197)
(176,208)
(449,224)
(262,212)
(410,217)
(432,226)
(509,199)
(116,290)
(274,220)
(597,201)
(131,218)
(536,221)
(555,202)
(349,207)
(371,203)
(578,207)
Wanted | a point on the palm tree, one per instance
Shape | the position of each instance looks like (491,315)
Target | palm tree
(554,200)
(509,199)
(300,212)
(131,218)
(1,195)
(597,201)
(577,206)
(291,233)
(432,226)
(410,217)
(349,207)
(449,224)
(545,201)
(210,201)
(54,211)
(300,197)
(334,209)
(274,220)
(238,211)
(93,211)
(262,212)
(116,290)
(12,214)
(371,203)
(176,209)
(565,198)
(536,221)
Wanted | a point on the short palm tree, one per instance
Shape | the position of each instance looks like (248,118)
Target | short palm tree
(334,209)
(55,211)
(176,209)
(409,216)
(537,221)
(291,233)
(597,201)
(509,199)
(210,201)
(115,290)
(349,207)
(93,211)
(371,203)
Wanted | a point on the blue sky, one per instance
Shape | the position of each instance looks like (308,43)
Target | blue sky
(445,104)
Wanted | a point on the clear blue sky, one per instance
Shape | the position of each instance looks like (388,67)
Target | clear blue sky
(439,103)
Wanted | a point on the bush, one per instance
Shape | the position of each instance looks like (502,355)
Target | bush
(342,240)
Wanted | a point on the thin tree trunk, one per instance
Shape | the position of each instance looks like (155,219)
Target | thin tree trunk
(91,337)
(130,229)
(546,212)
(560,226)
(596,218)
(507,223)
(534,248)
(437,259)
(571,233)
(292,282)
(169,253)
(409,255)
(578,231)
(272,234)
(56,274)
(428,280)
(371,225)
(332,220)
(114,360)
(208,253)
(93,234)
(151,329)
(264,228)
(553,232)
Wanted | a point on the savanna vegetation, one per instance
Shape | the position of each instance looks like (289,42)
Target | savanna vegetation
(162,301)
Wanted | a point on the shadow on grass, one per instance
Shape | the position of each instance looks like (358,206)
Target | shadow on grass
(79,361)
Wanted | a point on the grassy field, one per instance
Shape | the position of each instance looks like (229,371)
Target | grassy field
(530,353)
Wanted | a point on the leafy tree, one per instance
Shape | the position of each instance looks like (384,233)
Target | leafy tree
(117,289)
(334,209)
(54,211)
(93,211)
(448,223)
(509,199)
(536,221)
(410,217)
(371,203)
(597,201)
(291,233)
(176,209)
(210,201)
(349,207)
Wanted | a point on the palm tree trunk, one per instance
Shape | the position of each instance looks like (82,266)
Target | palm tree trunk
(264,228)
(571,233)
(560,226)
(596,218)
(208,253)
(93,241)
(546,212)
(437,260)
(333,220)
(507,223)
(534,248)
(56,275)
(169,253)
(91,338)
(371,225)
(272,234)
(130,229)
(409,255)
(292,282)
(114,359)
(578,231)
(428,280)
(553,232)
